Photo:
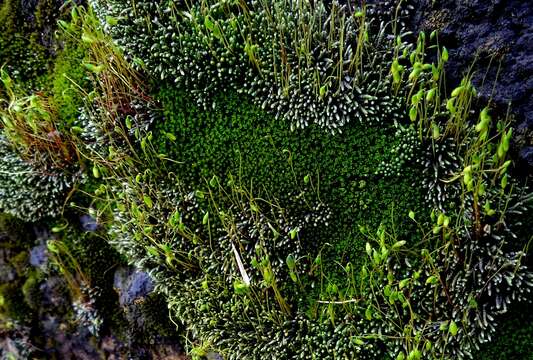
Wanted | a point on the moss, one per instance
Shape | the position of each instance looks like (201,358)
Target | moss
(12,305)
(30,290)
(17,238)
(20,263)
(97,260)
(17,232)
(30,193)
(36,57)
(46,14)
(23,53)
(68,77)
(513,338)
(239,138)
(156,323)
(94,255)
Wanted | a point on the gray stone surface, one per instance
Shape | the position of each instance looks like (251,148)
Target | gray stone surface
(494,35)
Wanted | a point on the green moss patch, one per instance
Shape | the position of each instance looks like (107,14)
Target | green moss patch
(238,138)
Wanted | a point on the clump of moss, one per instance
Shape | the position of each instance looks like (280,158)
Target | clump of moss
(269,241)
(26,40)
(15,239)
(30,193)
(69,79)
(31,291)
(236,137)
(98,260)
(12,304)
(14,232)
(369,177)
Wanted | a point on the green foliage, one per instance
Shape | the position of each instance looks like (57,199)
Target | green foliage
(12,304)
(15,231)
(37,139)
(30,124)
(157,324)
(27,193)
(15,239)
(69,81)
(306,63)
(245,147)
(26,46)
(30,290)
(38,154)
(89,261)
(308,190)
(238,138)
(227,191)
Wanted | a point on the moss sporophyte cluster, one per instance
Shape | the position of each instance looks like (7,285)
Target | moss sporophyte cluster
(293,175)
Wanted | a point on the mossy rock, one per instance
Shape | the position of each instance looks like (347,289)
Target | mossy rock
(23,51)
(12,304)
(31,291)
(240,139)
(69,79)
(20,263)
(15,232)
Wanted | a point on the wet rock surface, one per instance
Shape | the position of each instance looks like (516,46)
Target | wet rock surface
(493,39)
(39,256)
(527,154)
(40,316)
(88,223)
(496,36)
(131,285)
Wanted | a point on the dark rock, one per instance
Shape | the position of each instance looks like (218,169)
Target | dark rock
(526,155)
(7,272)
(498,34)
(39,256)
(112,347)
(88,223)
(50,324)
(214,356)
(55,294)
(132,284)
